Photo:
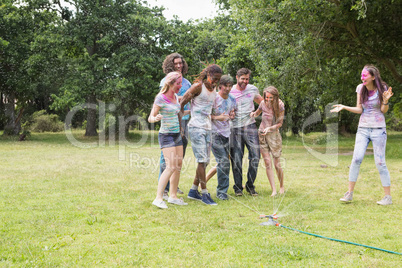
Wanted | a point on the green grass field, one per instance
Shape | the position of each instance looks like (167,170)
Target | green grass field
(66,206)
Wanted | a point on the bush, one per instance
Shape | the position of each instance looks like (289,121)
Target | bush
(43,122)
(394,118)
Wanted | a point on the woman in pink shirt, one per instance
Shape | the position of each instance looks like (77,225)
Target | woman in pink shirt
(273,110)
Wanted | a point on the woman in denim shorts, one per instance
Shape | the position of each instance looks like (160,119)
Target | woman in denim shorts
(166,109)
(372,103)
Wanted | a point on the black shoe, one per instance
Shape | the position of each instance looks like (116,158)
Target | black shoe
(252,192)
(238,193)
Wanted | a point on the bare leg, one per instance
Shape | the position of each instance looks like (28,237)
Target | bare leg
(167,173)
(352,186)
(387,190)
(200,176)
(177,159)
(211,173)
(279,173)
(269,170)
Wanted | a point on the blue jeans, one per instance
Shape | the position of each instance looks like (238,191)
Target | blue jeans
(248,136)
(220,149)
(378,136)
(162,163)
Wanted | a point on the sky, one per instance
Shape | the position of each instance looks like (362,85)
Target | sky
(186,9)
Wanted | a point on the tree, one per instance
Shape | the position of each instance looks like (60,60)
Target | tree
(113,49)
(202,41)
(313,50)
(20,27)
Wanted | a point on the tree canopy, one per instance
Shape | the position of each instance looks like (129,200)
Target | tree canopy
(55,55)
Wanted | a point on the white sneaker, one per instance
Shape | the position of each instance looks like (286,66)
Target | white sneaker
(159,204)
(178,201)
(348,197)
(387,200)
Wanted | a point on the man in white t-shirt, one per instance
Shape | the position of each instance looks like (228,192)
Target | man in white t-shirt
(244,133)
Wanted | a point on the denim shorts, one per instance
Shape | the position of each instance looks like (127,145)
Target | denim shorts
(167,140)
(200,143)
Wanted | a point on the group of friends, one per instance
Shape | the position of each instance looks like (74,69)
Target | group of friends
(223,121)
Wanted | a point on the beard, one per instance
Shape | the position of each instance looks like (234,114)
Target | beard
(242,85)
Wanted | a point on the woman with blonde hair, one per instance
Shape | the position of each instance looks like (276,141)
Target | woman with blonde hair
(273,110)
(166,109)
(176,63)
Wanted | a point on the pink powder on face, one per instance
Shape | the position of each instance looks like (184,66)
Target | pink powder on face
(365,74)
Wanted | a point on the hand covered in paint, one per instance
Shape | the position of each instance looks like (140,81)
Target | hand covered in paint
(266,130)
(337,108)
(222,117)
(232,114)
(387,95)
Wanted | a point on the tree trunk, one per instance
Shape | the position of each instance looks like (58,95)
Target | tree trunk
(2,111)
(12,126)
(91,117)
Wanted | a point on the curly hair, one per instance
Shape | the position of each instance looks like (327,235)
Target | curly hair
(168,63)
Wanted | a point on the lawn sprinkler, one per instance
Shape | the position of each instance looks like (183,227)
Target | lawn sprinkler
(271,219)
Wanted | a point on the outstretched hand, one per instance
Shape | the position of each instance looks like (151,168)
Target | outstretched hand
(337,108)
(387,95)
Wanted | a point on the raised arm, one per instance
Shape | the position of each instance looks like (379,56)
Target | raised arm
(385,99)
(193,91)
(357,110)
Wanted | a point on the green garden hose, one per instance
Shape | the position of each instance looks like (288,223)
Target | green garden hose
(343,241)
(272,221)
